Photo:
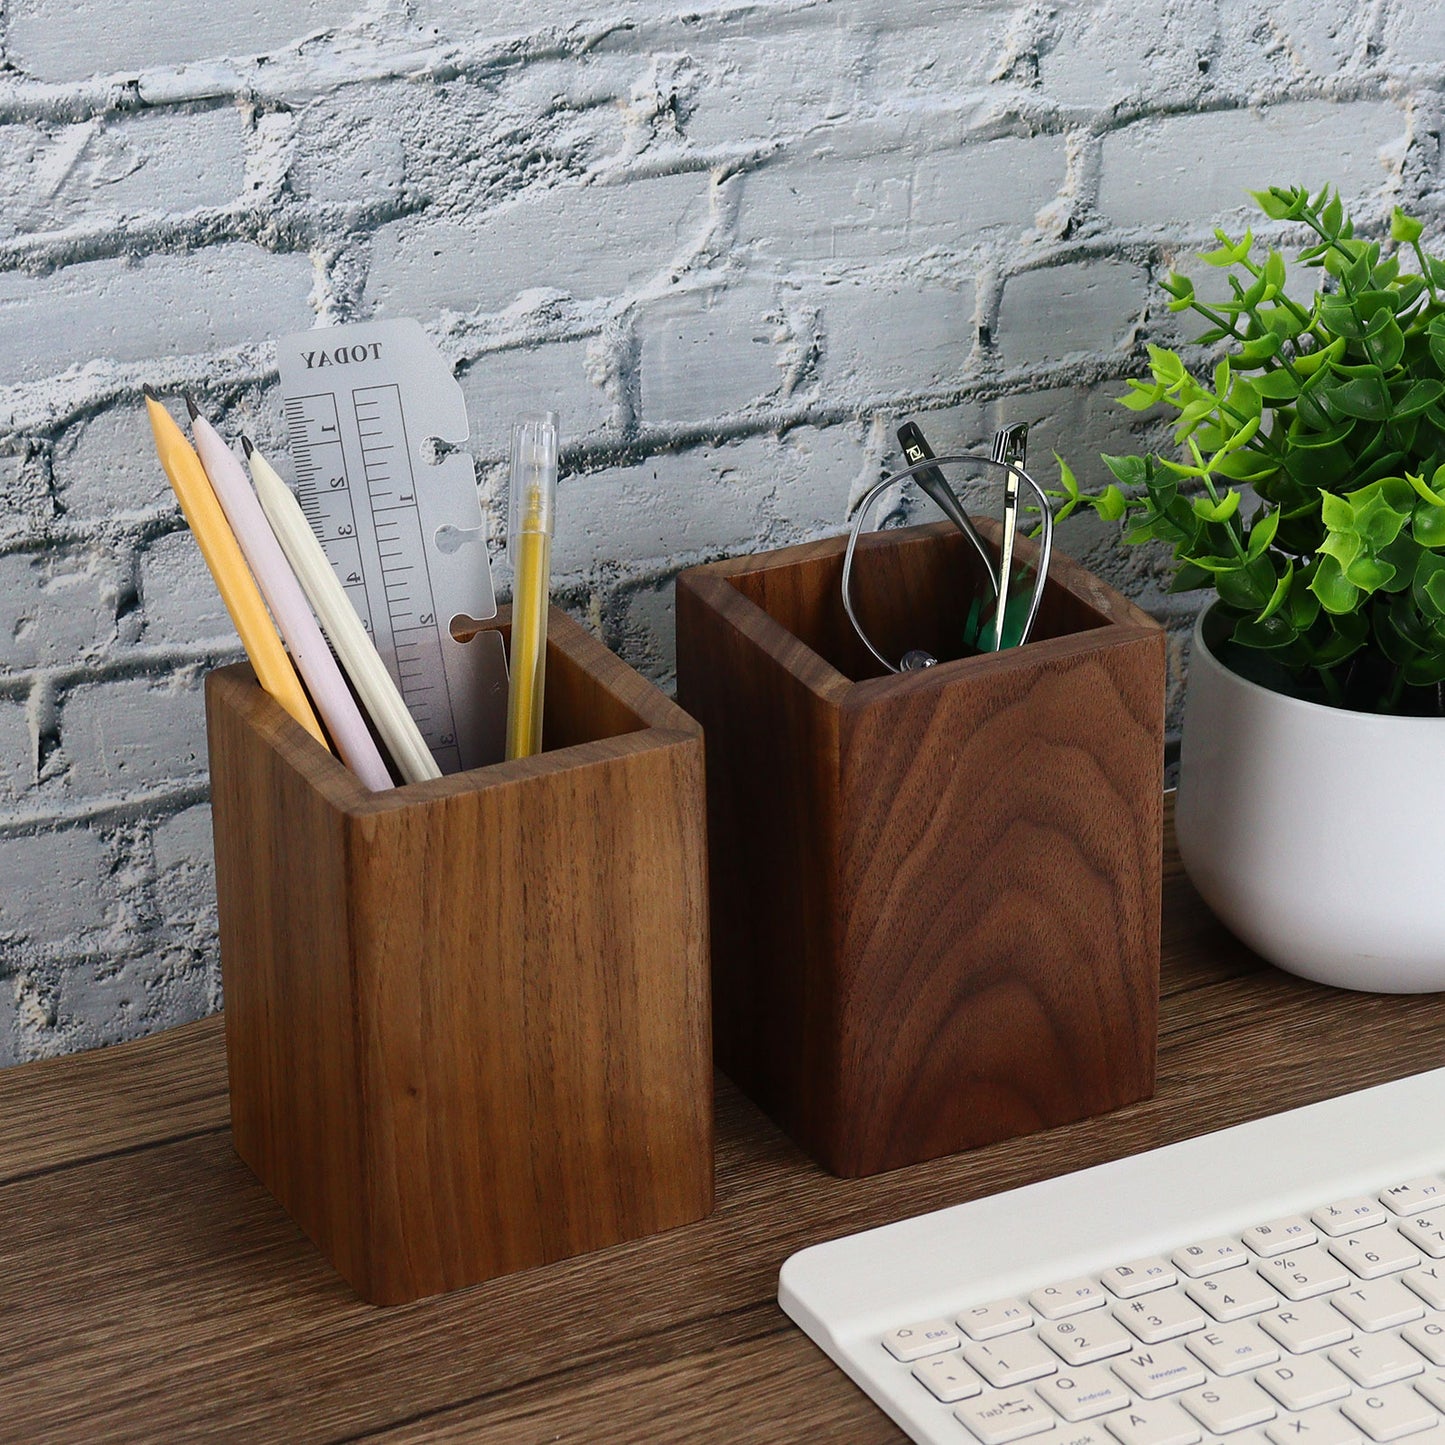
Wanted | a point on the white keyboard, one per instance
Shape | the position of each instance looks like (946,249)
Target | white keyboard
(1277,1283)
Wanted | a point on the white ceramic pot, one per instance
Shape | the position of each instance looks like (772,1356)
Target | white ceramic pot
(1316,835)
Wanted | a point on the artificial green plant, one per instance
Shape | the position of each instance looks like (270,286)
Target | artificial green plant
(1329,407)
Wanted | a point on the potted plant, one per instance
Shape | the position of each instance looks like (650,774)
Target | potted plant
(1309,493)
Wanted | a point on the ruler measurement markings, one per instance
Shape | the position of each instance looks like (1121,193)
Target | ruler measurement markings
(391,493)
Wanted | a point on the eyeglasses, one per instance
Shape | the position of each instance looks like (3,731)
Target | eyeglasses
(1004,616)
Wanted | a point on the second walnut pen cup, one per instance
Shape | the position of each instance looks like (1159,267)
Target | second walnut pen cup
(529,549)
(935,894)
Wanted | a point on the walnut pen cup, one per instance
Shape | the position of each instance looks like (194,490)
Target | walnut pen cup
(935,895)
(467,1020)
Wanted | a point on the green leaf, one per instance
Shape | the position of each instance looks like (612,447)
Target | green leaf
(1220,511)
(1376,521)
(1403,227)
(1365,397)
(1277,386)
(1276,204)
(1132,472)
(1248,587)
(1419,397)
(1265,633)
(1337,594)
(1427,524)
(1436,336)
(1259,349)
(1429,585)
(1369,574)
(1110,504)
(1336,513)
(1281,592)
(1141,396)
(1167,366)
(1261,534)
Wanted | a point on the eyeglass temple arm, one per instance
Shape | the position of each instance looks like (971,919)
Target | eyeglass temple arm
(935,484)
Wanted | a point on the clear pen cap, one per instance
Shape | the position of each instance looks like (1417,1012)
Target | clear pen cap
(534,474)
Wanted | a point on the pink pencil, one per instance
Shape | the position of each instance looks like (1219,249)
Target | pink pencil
(289,608)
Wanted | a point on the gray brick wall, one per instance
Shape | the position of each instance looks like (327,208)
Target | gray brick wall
(730,244)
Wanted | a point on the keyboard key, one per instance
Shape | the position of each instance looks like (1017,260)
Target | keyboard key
(1358,1212)
(998,1418)
(1374,1360)
(1213,1255)
(1082,1341)
(1058,1301)
(1224,1406)
(1232,1349)
(1140,1277)
(1390,1413)
(1162,1370)
(1378,1305)
(1009,1362)
(1314,1427)
(1414,1195)
(1311,1325)
(1426,1232)
(1432,1387)
(1428,1283)
(912,1342)
(1300,1384)
(948,1377)
(1233,1296)
(1159,1423)
(988,1322)
(1083,1394)
(1294,1231)
(1374,1254)
(1428,1336)
(1304,1273)
(1162,1316)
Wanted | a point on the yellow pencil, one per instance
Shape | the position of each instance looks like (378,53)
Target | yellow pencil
(233,579)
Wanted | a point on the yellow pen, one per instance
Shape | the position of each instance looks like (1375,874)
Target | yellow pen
(529,546)
(233,578)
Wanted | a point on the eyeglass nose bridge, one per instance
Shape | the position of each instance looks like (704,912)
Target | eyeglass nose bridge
(1010,467)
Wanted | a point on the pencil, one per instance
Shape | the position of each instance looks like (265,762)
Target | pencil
(288,604)
(339,621)
(234,582)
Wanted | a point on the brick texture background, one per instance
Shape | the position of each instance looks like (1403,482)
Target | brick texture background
(730,244)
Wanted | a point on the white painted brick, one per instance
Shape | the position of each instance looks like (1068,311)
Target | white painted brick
(106,466)
(1316,40)
(861,204)
(56,608)
(586,241)
(101,1003)
(1104,53)
(53,889)
(55,40)
(349,152)
(25,504)
(708,355)
(9,1021)
(1065,311)
(133,734)
(184,840)
(1201,166)
(154,307)
(1414,36)
(110,170)
(882,337)
(17,767)
(179,602)
(501,384)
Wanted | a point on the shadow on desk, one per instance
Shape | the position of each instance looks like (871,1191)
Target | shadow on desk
(150,1289)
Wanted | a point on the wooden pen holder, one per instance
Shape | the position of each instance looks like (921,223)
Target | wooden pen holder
(935,895)
(467,1020)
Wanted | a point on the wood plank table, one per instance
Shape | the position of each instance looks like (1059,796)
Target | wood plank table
(151,1290)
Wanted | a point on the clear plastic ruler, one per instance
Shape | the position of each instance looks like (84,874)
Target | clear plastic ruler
(402,531)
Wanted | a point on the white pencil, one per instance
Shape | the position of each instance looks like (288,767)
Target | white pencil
(358,654)
(289,608)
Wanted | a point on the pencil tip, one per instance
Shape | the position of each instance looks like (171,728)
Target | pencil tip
(191,406)
(246,446)
(149,392)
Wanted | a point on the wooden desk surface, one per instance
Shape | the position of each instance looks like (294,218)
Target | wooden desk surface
(151,1290)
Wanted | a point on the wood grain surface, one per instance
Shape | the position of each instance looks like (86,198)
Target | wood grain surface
(151,1290)
(935,896)
(467,1020)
